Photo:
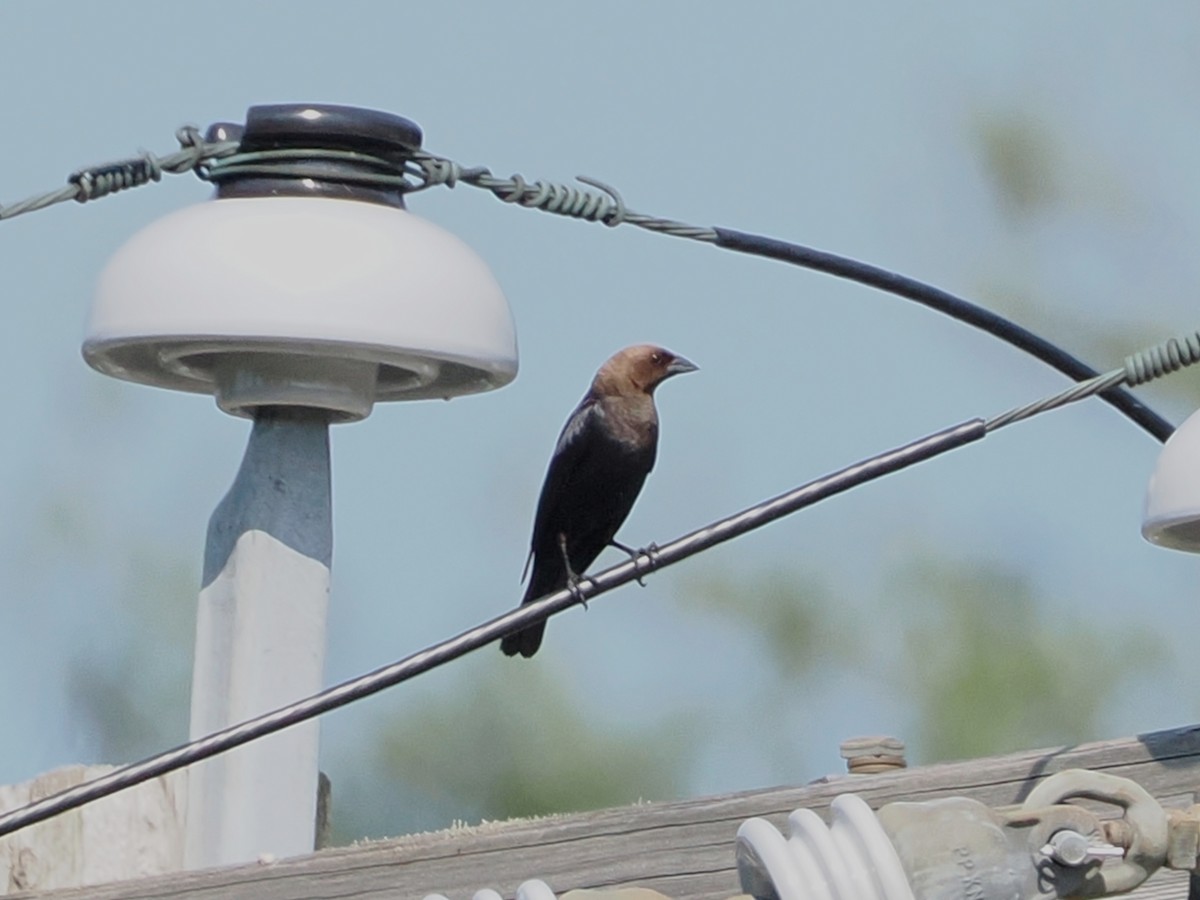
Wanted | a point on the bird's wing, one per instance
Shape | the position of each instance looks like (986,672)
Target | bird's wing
(528,562)
(591,484)
(582,421)
(576,442)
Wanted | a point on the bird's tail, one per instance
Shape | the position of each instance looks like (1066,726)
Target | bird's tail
(527,640)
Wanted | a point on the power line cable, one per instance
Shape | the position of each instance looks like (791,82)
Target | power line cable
(588,588)
(611,210)
(209,160)
(955,307)
(1138,368)
(215,161)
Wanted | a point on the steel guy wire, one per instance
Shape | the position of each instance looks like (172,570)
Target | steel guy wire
(1162,359)
(1154,362)
(215,161)
(589,587)
(612,211)
(99,181)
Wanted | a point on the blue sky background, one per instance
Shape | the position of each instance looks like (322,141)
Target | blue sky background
(850,127)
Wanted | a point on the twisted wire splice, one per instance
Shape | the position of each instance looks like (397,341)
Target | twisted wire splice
(1162,359)
(593,585)
(607,208)
(205,159)
(434,170)
(109,178)
(91,183)
(567,200)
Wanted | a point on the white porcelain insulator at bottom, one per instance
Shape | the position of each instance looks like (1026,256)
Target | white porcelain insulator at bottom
(850,859)
(534,889)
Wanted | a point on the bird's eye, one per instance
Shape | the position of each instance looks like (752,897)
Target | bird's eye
(656,358)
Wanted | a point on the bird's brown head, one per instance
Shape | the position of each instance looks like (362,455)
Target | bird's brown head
(640,369)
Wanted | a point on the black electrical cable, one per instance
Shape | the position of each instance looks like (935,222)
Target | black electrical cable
(523,616)
(610,209)
(85,186)
(209,159)
(947,303)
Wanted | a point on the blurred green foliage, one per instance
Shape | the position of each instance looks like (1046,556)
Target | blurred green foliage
(990,666)
(523,745)
(981,660)
(1022,159)
(792,616)
(131,693)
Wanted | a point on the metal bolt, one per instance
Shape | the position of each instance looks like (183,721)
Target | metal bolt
(1070,848)
(874,753)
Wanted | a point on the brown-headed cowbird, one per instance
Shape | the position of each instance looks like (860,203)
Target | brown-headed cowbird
(603,456)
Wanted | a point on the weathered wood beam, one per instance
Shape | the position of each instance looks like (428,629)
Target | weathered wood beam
(684,849)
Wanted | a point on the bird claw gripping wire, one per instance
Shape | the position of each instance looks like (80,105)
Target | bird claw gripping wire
(650,551)
(635,556)
(573,582)
(573,577)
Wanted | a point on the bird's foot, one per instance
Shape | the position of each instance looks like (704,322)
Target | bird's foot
(576,592)
(650,552)
(573,578)
(634,555)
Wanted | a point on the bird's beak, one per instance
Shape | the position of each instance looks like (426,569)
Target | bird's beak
(681,366)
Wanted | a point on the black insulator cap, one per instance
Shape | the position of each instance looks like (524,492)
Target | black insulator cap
(316,126)
(220,132)
(329,126)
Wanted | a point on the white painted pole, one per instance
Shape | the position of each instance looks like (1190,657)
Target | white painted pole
(260,643)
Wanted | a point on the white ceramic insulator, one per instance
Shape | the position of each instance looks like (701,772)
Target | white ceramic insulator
(851,859)
(533,889)
(301,301)
(1172,510)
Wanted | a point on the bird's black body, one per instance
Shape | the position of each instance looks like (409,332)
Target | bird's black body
(605,451)
(591,485)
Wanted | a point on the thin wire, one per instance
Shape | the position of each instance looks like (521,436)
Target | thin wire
(951,305)
(1078,391)
(611,210)
(1146,365)
(195,155)
(216,161)
(608,208)
(646,561)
